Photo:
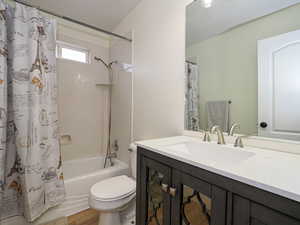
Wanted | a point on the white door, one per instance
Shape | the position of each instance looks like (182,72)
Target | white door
(279,86)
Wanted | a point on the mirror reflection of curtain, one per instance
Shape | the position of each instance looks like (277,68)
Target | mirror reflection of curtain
(192,120)
(31,179)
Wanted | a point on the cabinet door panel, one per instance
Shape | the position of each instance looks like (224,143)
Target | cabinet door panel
(197,202)
(218,216)
(246,212)
(256,222)
(155,207)
(269,216)
(241,211)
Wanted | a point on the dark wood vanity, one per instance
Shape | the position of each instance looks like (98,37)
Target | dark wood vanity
(171,192)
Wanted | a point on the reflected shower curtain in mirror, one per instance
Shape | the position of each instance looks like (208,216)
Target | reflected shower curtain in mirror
(31,179)
(192,120)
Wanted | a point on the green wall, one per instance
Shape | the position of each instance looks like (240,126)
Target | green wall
(228,65)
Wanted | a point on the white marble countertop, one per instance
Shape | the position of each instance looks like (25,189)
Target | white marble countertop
(273,171)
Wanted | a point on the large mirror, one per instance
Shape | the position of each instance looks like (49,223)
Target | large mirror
(243,66)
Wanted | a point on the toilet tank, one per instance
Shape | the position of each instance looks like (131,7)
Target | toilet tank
(133,158)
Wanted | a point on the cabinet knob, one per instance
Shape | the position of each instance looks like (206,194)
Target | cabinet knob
(263,125)
(172,192)
(165,187)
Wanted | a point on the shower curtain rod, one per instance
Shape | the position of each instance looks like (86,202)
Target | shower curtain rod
(73,21)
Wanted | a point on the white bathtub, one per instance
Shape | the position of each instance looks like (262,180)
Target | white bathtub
(79,176)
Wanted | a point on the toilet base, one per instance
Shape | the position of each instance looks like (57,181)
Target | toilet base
(109,218)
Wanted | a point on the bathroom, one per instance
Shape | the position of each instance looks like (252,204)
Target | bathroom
(153,117)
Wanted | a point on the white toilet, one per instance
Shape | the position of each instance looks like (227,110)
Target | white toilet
(113,195)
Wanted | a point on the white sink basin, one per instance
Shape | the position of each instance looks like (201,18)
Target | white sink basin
(209,152)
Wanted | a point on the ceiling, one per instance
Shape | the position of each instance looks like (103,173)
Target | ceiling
(203,23)
(105,14)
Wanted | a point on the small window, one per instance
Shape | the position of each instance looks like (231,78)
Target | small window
(72,52)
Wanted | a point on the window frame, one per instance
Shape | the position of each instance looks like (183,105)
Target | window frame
(61,44)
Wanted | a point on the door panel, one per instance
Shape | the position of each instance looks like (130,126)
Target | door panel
(268,216)
(195,207)
(241,211)
(155,207)
(256,222)
(155,197)
(246,212)
(279,86)
(286,76)
(197,202)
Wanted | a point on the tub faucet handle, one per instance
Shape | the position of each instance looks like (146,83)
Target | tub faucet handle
(113,155)
(116,146)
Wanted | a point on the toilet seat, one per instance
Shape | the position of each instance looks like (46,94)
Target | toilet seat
(114,196)
(111,206)
(113,189)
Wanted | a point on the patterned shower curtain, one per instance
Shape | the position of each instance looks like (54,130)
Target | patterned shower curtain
(31,179)
(192,120)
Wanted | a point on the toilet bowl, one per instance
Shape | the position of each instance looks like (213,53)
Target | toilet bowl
(113,195)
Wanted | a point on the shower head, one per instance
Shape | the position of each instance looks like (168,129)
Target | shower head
(111,63)
(108,66)
(101,60)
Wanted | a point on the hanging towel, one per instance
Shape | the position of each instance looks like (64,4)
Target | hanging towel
(218,114)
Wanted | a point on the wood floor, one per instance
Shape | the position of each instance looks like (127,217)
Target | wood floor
(87,217)
(91,217)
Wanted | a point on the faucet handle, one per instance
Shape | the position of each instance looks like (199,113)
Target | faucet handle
(213,128)
(218,130)
(239,142)
(115,146)
(206,137)
(113,155)
(233,128)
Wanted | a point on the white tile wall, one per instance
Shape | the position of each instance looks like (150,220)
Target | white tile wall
(82,104)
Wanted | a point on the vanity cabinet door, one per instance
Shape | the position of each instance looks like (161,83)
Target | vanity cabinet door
(155,207)
(197,202)
(246,212)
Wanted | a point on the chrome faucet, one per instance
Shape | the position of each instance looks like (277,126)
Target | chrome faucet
(217,129)
(112,154)
(239,142)
(206,136)
(233,128)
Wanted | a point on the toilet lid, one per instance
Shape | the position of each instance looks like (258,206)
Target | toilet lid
(114,188)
